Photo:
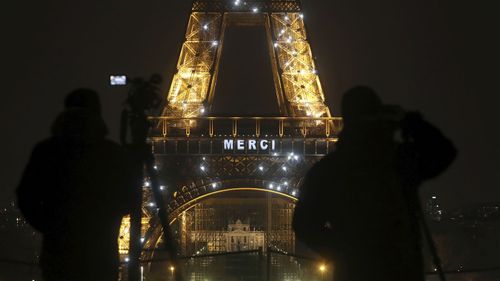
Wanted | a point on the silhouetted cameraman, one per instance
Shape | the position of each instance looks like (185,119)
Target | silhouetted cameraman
(75,189)
(359,205)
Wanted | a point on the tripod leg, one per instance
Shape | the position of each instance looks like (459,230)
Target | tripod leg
(170,244)
(432,246)
(430,241)
(135,247)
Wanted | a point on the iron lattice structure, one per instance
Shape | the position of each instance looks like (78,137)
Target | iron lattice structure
(200,158)
(273,6)
(297,85)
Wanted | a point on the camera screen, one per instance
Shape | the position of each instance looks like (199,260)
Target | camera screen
(118,80)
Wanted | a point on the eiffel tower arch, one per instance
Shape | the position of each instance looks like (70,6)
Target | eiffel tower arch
(219,174)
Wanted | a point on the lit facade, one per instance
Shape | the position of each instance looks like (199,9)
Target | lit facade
(231,183)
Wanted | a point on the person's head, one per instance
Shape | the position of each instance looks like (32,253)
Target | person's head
(364,113)
(83,98)
(360,105)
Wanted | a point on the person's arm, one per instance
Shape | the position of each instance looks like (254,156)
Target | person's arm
(430,150)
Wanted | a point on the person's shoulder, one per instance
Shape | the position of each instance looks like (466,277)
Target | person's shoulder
(116,152)
(113,147)
(320,167)
(48,144)
(111,144)
(330,159)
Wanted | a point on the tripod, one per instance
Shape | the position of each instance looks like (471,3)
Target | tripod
(430,241)
(143,98)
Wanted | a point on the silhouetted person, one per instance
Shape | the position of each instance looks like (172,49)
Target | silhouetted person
(358,205)
(75,189)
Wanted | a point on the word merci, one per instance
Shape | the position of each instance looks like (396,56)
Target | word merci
(249,144)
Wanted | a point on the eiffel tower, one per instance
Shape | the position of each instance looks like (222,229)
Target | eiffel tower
(297,85)
(218,170)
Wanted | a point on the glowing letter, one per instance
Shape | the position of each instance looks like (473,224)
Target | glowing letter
(240,145)
(264,144)
(252,145)
(228,144)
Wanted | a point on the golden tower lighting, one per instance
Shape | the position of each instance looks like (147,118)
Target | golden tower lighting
(297,84)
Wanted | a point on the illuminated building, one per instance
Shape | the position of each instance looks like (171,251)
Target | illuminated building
(238,236)
(297,84)
(215,170)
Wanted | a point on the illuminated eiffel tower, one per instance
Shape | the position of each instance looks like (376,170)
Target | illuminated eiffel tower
(218,170)
(297,85)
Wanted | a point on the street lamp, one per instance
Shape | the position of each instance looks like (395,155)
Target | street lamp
(322,270)
(172,269)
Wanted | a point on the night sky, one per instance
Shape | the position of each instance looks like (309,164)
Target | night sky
(438,57)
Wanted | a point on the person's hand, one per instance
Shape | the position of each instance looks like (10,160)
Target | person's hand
(411,122)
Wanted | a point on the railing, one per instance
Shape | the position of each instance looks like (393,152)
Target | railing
(275,6)
(211,127)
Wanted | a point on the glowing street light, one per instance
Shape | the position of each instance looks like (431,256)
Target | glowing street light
(172,269)
(255,10)
(322,268)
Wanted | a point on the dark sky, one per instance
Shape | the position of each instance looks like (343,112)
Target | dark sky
(438,57)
